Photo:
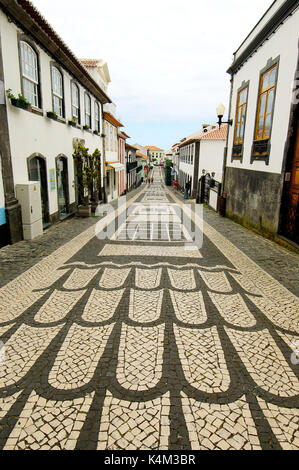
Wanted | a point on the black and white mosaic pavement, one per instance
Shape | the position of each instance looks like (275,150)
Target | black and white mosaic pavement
(143,341)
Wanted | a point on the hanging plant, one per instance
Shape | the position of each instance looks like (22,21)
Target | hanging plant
(52,115)
(20,101)
(72,122)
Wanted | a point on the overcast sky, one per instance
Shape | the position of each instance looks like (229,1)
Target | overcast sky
(167,58)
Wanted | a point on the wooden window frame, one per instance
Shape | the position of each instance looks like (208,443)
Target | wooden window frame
(238,146)
(265,92)
(261,147)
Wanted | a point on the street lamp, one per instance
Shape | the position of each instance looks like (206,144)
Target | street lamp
(220,113)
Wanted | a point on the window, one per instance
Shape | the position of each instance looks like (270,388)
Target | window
(87,110)
(266,104)
(240,116)
(75,102)
(107,135)
(57,90)
(29,68)
(111,139)
(97,117)
(115,140)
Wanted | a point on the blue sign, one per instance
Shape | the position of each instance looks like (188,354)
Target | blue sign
(2,216)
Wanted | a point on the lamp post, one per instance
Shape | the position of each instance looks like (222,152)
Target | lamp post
(220,113)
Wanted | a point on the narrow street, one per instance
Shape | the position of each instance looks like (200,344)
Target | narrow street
(145,340)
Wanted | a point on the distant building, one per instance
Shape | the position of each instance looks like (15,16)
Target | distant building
(262,165)
(175,160)
(212,146)
(132,164)
(113,166)
(189,157)
(156,154)
(122,137)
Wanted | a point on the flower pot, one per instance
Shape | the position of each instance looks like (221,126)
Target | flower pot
(72,123)
(86,128)
(19,103)
(84,211)
(51,115)
(94,206)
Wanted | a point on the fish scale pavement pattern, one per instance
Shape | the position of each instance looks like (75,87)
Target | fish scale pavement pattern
(124,344)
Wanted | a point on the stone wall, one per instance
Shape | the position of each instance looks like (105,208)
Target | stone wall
(254,198)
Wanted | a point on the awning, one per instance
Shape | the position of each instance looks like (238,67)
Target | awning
(117,166)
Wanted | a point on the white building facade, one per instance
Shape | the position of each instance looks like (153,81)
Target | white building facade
(113,166)
(66,107)
(189,163)
(261,183)
(212,147)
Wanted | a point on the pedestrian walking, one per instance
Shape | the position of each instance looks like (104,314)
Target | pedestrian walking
(186,192)
(175,185)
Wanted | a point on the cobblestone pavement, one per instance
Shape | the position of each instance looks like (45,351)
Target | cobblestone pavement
(146,341)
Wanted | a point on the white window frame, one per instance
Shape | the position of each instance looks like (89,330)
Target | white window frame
(87,103)
(76,102)
(29,60)
(97,116)
(57,94)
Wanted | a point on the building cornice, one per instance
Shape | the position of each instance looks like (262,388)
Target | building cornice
(108,117)
(27,18)
(270,27)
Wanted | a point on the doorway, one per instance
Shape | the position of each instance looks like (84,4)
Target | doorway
(37,169)
(62,186)
(290,207)
(78,180)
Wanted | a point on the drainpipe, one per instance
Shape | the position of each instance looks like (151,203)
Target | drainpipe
(103,186)
(12,206)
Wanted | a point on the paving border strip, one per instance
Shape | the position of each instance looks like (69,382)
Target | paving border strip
(269,286)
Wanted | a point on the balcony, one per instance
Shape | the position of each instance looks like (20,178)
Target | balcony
(131,166)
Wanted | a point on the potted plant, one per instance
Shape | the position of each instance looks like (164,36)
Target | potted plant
(95,179)
(95,132)
(81,156)
(89,179)
(72,122)
(86,127)
(20,101)
(52,115)
(103,136)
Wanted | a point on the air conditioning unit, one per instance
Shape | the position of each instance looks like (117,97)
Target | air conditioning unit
(29,197)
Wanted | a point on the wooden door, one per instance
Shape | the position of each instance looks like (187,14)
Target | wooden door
(292,210)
